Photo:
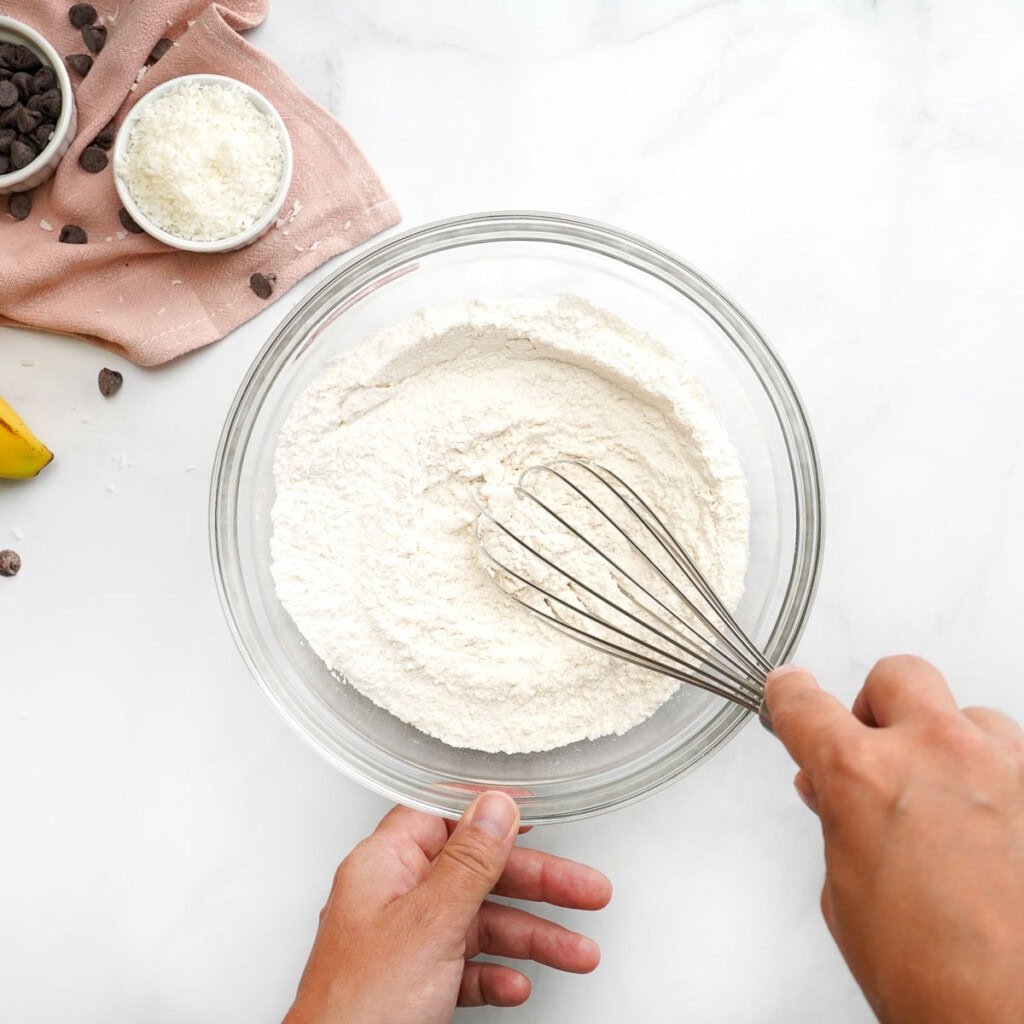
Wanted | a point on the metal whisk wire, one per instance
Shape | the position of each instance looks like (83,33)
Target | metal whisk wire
(637,626)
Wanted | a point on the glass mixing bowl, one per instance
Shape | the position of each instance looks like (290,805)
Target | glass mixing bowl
(502,255)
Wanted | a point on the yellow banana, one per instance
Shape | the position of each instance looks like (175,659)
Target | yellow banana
(22,454)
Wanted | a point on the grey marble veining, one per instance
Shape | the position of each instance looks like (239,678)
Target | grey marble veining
(850,172)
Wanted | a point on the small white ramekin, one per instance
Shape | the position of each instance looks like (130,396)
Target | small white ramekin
(45,164)
(229,244)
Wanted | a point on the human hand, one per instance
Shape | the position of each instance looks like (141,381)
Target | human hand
(922,810)
(407,914)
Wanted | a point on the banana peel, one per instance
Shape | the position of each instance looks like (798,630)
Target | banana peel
(22,454)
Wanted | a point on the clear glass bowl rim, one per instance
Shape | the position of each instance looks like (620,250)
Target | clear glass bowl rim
(375,267)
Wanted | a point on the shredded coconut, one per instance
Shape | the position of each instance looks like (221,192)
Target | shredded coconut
(203,161)
(373,546)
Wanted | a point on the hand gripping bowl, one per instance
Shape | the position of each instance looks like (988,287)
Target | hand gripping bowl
(508,255)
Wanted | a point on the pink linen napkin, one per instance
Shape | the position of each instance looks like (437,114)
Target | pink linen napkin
(129,292)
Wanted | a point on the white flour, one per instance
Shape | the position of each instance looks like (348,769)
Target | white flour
(373,546)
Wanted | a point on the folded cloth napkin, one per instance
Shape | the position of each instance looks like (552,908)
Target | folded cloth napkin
(129,292)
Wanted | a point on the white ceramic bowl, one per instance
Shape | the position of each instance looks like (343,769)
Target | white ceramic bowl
(232,242)
(45,164)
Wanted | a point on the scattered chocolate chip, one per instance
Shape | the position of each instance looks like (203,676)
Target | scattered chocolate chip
(81,15)
(44,80)
(128,222)
(5,163)
(10,562)
(42,135)
(19,205)
(80,63)
(8,94)
(72,234)
(94,37)
(263,284)
(28,120)
(162,46)
(110,382)
(21,154)
(9,117)
(105,139)
(7,136)
(93,159)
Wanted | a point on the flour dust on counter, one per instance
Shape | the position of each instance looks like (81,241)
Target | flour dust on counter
(377,470)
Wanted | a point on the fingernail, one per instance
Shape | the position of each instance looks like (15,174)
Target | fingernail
(494,813)
(782,672)
(788,670)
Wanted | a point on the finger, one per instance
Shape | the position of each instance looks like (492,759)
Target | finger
(901,687)
(472,860)
(545,878)
(493,985)
(509,931)
(995,724)
(807,720)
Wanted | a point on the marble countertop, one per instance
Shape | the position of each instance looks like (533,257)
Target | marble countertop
(851,173)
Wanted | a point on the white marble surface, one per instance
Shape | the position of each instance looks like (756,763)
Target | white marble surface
(849,171)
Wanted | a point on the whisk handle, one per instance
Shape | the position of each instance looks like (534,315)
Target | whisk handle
(765,717)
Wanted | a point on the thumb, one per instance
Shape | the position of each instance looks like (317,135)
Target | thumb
(809,721)
(472,860)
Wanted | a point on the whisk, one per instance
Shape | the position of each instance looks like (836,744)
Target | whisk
(589,556)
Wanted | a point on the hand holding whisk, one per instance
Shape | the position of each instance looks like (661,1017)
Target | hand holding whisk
(594,560)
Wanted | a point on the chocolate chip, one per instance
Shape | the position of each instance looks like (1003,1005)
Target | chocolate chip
(81,15)
(28,120)
(5,163)
(72,234)
(21,154)
(105,139)
(44,80)
(9,117)
(110,382)
(19,205)
(80,63)
(42,135)
(7,136)
(162,46)
(23,81)
(93,159)
(50,106)
(127,222)
(8,94)
(10,562)
(94,37)
(20,58)
(263,284)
